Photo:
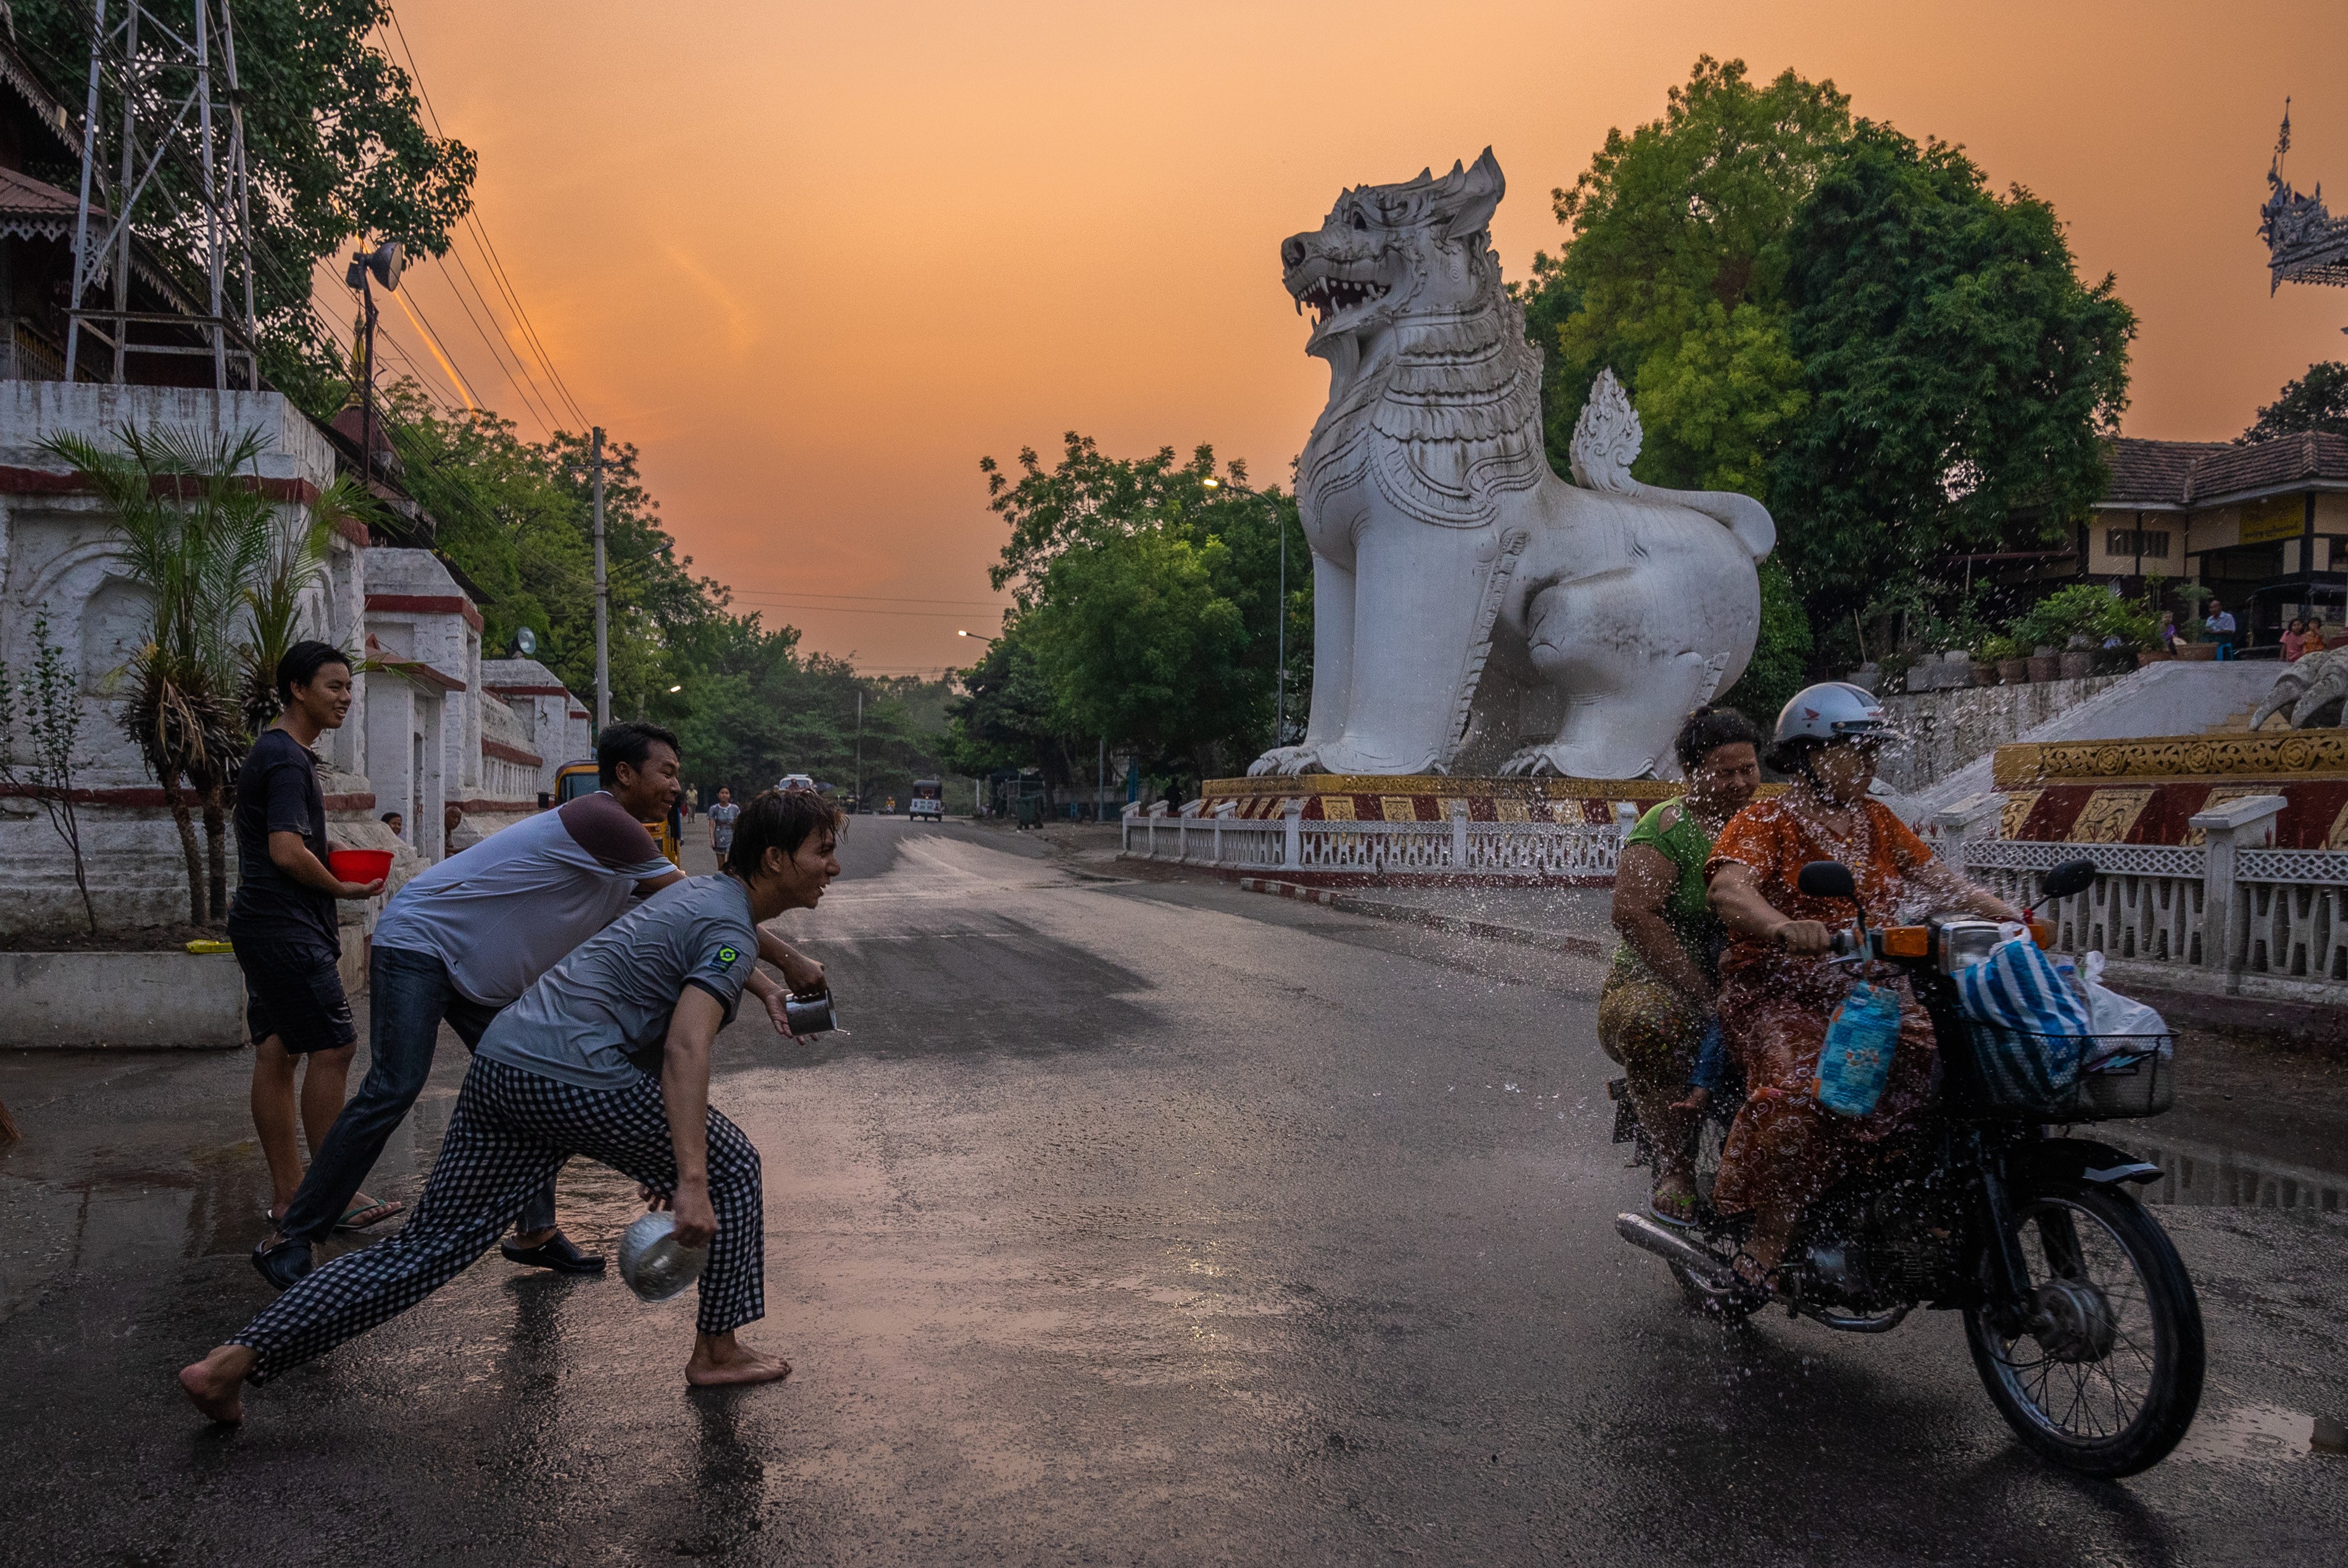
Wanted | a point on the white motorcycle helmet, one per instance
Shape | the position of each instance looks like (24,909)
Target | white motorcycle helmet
(1833,711)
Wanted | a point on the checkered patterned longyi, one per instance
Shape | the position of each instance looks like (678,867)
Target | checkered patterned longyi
(512,1130)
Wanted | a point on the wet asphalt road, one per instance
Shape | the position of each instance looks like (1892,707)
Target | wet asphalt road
(1134,1221)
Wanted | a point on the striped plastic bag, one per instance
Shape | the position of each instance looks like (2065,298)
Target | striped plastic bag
(2035,1025)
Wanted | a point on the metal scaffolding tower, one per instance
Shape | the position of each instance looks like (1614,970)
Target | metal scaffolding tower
(171,174)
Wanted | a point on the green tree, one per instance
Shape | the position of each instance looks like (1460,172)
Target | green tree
(1674,276)
(1093,531)
(336,145)
(1138,644)
(1963,379)
(2317,400)
(1008,716)
(199,535)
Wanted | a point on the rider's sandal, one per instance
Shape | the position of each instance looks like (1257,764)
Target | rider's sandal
(1762,1286)
(1673,1208)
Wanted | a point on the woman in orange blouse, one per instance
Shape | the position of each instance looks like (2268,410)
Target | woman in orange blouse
(1778,992)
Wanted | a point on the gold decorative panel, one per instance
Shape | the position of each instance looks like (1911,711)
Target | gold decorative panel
(2108,815)
(2016,811)
(2302,754)
(1337,808)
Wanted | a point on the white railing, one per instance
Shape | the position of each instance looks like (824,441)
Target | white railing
(2230,914)
(1577,851)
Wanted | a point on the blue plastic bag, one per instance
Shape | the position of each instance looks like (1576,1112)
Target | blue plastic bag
(2035,1025)
(1856,1060)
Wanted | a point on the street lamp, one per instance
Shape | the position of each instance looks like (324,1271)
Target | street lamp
(382,264)
(974,635)
(673,690)
(1280,623)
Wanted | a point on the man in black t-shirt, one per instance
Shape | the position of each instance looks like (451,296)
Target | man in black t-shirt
(283,923)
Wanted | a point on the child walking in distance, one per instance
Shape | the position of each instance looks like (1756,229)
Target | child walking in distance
(561,1072)
(283,926)
(464,940)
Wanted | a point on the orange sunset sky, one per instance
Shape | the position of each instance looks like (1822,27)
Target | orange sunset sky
(816,259)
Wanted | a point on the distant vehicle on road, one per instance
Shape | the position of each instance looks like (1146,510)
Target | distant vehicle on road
(929,800)
(794,782)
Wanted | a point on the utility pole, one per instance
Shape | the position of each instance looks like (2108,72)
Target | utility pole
(603,593)
(859,748)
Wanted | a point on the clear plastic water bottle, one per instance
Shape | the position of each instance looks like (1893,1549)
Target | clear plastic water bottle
(1855,1062)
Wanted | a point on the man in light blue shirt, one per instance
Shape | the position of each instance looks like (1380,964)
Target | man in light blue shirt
(560,1073)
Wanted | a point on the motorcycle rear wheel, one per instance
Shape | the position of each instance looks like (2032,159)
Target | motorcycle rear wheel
(2110,1383)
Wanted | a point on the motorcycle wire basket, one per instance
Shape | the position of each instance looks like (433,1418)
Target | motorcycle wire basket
(2118,1076)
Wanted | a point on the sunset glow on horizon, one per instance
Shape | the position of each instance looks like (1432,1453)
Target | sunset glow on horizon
(817,262)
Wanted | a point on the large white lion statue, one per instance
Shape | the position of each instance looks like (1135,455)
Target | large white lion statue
(1471,610)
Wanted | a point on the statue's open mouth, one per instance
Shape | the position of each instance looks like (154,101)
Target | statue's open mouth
(1331,297)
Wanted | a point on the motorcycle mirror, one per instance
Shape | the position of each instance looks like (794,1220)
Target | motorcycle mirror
(2071,877)
(1827,879)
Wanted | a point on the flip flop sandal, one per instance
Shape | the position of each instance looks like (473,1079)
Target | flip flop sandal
(1673,1208)
(379,1211)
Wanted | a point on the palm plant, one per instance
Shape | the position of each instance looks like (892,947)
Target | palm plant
(208,542)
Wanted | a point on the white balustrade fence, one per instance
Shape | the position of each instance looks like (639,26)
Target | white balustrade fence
(2232,914)
(1576,851)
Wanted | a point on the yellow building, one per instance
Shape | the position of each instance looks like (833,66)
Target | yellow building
(2264,526)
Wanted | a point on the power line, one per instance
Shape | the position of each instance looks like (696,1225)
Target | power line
(481,229)
(845,610)
(868,597)
(533,396)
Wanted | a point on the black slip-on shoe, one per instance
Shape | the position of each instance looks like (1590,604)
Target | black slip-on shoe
(282,1263)
(555,1252)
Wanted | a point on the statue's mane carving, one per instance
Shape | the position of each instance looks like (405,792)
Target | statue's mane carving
(1457,399)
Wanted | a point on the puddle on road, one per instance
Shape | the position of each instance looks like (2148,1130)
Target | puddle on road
(2206,1175)
(2251,1434)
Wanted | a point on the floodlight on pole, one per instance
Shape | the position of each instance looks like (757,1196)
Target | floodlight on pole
(383,264)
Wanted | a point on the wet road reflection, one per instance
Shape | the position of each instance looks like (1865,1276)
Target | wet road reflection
(1135,1222)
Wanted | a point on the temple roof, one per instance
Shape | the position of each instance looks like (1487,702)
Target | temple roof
(2184,474)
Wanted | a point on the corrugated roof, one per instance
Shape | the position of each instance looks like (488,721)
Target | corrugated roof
(2156,473)
(2207,473)
(2274,465)
(20,192)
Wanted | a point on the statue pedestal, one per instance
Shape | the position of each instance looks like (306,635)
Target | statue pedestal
(1431,797)
(1342,830)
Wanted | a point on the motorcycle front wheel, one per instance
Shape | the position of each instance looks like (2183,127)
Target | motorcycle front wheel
(2104,1375)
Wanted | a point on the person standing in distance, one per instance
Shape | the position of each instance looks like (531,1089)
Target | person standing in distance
(722,818)
(2220,624)
(466,938)
(563,1072)
(285,929)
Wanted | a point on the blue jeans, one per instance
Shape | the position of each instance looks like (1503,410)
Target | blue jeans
(412,994)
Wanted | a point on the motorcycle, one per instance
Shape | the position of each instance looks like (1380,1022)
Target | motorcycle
(2082,1320)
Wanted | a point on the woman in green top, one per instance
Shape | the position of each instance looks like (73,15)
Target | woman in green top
(1658,998)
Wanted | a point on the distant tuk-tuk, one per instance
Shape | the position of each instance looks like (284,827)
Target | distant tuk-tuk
(572,780)
(929,800)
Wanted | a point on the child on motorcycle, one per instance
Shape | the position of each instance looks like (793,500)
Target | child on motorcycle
(1779,992)
(1657,1000)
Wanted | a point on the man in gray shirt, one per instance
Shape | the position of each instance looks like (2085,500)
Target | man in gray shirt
(465,940)
(555,1075)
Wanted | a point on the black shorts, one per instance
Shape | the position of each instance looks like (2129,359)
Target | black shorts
(295,991)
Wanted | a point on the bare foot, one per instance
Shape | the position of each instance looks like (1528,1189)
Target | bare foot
(720,1360)
(215,1383)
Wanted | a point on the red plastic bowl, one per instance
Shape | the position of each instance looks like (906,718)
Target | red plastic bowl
(359,864)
